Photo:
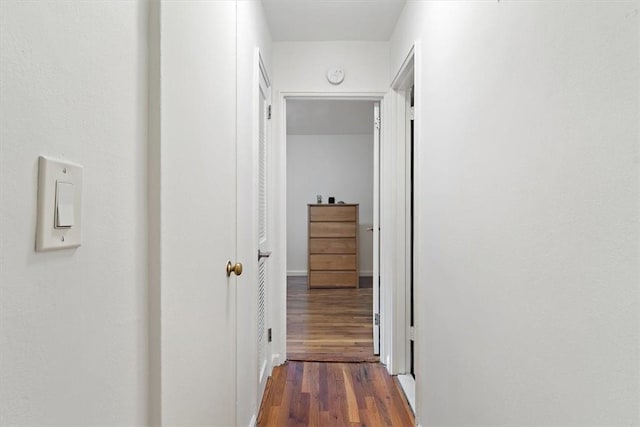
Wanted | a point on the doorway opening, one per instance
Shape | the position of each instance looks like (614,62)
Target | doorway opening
(332,199)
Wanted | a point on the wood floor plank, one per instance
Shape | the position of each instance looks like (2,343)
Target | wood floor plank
(373,416)
(312,373)
(274,413)
(381,394)
(299,413)
(325,420)
(279,385)
(352,402)
(323,380)
(287,398)
(356,380)
(335,387)
(266,396)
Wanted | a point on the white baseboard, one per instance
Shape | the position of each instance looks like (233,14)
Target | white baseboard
(408,384)
(296,272)
(253,421)
(276,360)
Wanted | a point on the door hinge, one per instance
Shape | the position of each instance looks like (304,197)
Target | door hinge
(412,333)
(376,123)
(412,113)
(269,112)
(376,319)
(269,337)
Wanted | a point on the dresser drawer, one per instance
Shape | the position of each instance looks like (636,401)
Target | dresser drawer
(332,262)
(332,213)
(332,246)
(333,279)
(332,229)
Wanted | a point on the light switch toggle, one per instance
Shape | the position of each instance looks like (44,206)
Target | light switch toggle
(65,198)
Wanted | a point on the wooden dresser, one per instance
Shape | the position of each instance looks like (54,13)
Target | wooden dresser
(333,246)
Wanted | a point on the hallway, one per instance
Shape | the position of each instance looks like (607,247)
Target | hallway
(148,143)
(333,394)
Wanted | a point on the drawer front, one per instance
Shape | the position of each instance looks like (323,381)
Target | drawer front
(332,229)
(332,213)
(332,246)
(333,279)
(332,262)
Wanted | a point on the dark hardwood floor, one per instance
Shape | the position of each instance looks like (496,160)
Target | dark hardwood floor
(329,324)
(317,386)
(333,394)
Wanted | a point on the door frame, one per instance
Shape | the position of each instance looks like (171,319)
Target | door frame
(406,76)
(377,135)
(400,87)
(279,144)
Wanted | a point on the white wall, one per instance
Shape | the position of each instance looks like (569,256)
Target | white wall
(301,67)
(331,165)
(527,116)
(73,323)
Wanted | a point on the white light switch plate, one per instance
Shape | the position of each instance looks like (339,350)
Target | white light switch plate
(48,236)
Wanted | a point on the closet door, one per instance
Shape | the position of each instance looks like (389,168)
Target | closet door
(197,163)
(263,239)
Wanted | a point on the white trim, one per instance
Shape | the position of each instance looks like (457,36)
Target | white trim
(399,352)
(408,250)
(419,215)
(276,359)
(263,68)
(408,384)
(281,190)
(375,274)
(405,71)
(387,234)
(254,420)
(350,96)
(396,322)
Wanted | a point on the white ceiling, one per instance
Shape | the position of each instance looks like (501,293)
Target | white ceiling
(329,20)
(329,117)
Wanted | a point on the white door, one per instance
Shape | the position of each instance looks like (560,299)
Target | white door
(376,228)
(262,141)
(194,353)
(252,151)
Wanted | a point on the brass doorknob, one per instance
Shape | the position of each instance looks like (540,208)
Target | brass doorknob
(231,268)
